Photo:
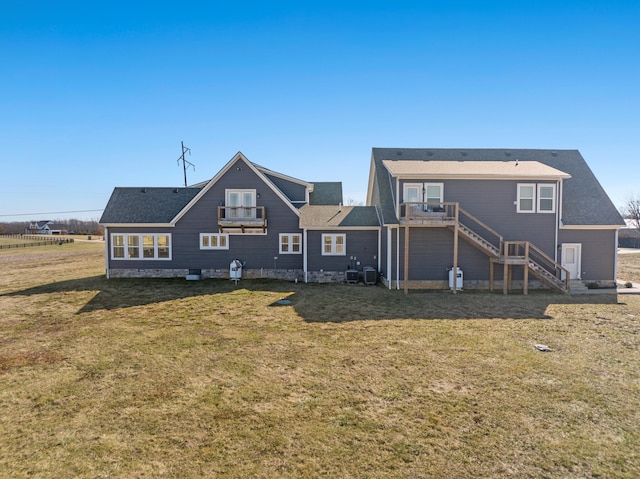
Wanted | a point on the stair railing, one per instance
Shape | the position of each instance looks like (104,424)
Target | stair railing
(467,219)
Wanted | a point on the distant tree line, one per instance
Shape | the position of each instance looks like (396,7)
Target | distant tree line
(73,226)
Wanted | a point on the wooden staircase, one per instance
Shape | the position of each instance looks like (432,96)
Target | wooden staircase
(488,241)
(523,253)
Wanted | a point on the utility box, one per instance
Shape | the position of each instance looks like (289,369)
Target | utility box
(351,276)
(235,270)
(458,278)
(369,275)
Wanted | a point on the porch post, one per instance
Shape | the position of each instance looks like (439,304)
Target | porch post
(455,250)
(406,257)
(526,268)
(505,278)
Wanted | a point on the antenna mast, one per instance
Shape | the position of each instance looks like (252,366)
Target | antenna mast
(185,163)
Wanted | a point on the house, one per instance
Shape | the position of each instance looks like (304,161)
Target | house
(497,214)
(46,227)
(276,226)
(491,216)
(629,235)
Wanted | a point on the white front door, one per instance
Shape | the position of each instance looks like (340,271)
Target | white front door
(571,259)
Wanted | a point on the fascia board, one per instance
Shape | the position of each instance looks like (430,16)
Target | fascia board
(481,177)
(340,228)
(591,227)
(138,225)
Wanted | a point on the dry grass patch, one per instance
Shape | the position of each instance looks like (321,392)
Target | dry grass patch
(168,378)
(629,267)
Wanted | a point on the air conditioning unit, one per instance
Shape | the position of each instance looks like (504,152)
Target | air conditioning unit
(351,276)
(369,275)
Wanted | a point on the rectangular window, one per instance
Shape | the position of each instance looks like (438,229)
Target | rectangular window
(433,196)
(140,246)
(546,198)
(334,245)
(526,198)
(241,203)
(290,243)
(214,241)
(118,245)
(133,245)
(536,198)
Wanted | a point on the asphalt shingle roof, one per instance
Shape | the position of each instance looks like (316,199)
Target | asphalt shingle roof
(146,205)
(326,193)
(331,216)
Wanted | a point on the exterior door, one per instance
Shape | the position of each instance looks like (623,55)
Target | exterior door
(571,259)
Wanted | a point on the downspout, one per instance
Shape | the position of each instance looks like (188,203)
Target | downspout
(304,255)
(398,258)
(106,250)
(389,253)
(558,216)
(379,247)
(615,257)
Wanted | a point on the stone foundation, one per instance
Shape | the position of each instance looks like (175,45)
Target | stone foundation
(282,274)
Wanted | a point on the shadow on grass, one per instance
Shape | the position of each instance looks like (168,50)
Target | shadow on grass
(322,302)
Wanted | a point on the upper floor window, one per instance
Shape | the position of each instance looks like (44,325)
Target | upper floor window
(429,196)
(140,246)
(536,198)
(290,243)
(546,198)
(334,244)
(241,203)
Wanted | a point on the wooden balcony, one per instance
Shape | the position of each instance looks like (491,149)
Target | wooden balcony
(244,219)
(428,214)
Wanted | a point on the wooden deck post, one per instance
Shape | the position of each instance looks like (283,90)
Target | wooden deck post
(526,268)
(491,274)
(505,274)
(406,256)
(455,251)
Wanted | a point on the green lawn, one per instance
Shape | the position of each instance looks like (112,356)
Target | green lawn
(177,379)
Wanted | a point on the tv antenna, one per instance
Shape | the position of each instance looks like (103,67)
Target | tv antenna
(185,163)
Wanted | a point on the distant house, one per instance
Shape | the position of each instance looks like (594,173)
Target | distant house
(497,215)
(46,227)
(629,236)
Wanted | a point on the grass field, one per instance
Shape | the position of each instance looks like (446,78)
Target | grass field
(177,379)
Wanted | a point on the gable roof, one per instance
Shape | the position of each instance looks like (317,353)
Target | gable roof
(336,216)
(585,203)
(146,205)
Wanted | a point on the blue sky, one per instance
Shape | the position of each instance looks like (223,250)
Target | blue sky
(95,95)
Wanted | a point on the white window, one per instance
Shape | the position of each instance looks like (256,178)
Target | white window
(214,241)
(536,198)
(526,198)
(433,196)
(140,246)
(241,204)
(290,243)
(334,245)
(546,198)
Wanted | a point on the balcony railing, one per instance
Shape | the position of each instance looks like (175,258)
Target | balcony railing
(242,217)
(428,213)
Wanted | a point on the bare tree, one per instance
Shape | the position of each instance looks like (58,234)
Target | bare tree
(631,209)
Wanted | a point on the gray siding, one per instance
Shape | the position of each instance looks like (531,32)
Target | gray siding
(598,252)
(493,202)
(256,250)
(431,256)
(361,244)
